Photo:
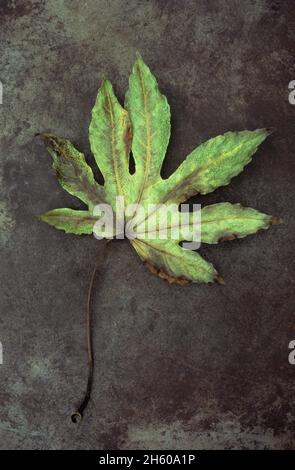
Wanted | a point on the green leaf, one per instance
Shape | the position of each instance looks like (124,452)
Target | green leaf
(225,221)
(219,222)
(71,221)
(110,140)
(211,165)
(72,171)
(150,117)
(175,264)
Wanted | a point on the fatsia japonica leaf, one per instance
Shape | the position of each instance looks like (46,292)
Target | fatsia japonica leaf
(150,117)
(72,171)
(225,221)
(209,166)
(175,264)
(110,140)
(70,220)
(144,129)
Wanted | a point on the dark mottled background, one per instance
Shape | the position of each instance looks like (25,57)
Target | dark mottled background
(181,368)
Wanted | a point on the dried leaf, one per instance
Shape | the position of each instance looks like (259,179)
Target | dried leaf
(144,127)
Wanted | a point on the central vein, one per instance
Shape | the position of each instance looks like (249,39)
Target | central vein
(148,136)
(113,145)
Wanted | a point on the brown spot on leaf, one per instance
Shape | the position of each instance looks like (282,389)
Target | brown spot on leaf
(182,281)
(128,138)
(57,144)
(227,238)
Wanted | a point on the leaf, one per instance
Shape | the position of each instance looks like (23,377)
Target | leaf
(211,165)
(150,117)
(225,221)
(72,171)
(110,140)
(71,221)
(173,263)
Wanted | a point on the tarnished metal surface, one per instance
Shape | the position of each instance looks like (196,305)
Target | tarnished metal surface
(176,367)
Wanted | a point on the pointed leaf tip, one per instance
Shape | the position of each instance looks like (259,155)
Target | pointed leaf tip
(105,83)
(276,221)
(219,280)
(270,130)
(138,55)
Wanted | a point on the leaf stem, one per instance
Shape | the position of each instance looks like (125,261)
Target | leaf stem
(77,415)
